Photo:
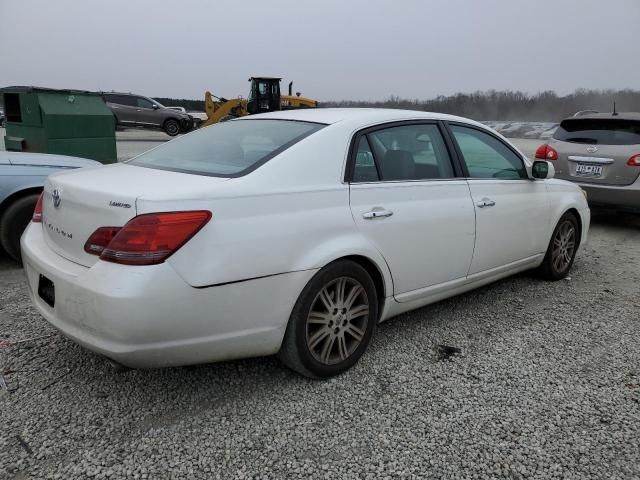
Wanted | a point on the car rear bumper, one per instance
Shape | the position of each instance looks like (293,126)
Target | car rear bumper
(625,197)
(150,317)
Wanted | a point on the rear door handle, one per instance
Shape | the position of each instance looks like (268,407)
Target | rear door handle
(377,212)
(485,202)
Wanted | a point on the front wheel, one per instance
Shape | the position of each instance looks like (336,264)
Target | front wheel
(171,127)
(332,322)
(562,249)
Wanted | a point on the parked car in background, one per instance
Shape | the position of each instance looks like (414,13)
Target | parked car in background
(292,232)
(601,153)
(132,110)
(22,177)
(2,118)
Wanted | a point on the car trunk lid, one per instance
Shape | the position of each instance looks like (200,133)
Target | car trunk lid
(77,203)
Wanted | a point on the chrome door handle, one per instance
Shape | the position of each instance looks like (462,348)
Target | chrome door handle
(485,202)
(377,212)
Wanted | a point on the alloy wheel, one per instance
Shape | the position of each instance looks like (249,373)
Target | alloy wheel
(564,246)
(172,127)
(337,320)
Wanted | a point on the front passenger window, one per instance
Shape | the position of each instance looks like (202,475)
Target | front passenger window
(144,103)
(486,156)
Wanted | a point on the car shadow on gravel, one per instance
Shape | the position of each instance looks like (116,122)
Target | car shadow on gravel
(615,219)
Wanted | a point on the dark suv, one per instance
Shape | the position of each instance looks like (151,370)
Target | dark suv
(133,110)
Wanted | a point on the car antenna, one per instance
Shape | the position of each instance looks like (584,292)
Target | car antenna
(614,109)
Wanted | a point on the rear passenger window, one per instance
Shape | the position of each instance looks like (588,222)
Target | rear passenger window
(408,152)
(365,167)
(486,156)
(122,100)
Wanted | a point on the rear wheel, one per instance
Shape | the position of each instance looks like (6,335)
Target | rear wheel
(332,321)
(171,127)
(562,249)
(15,219)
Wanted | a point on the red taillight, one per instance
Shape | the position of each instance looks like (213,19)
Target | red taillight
(37,212)
(151,238)
(99,239)
(634,161)
(545,152)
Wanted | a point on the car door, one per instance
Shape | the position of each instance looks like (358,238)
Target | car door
(146,115)
(511,210)
(123,107)
(406,200)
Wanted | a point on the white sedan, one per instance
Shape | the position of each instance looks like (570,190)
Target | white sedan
(294,233)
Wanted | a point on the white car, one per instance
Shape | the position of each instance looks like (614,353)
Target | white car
(293,232)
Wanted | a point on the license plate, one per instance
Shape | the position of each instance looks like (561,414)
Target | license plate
(46,291)
(588,170)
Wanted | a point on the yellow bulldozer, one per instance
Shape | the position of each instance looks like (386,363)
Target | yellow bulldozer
(264,96)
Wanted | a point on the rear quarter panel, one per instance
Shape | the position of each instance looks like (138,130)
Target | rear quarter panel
(291,214)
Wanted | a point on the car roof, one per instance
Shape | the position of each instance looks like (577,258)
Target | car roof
(331,116)
(121,93)
(609,115)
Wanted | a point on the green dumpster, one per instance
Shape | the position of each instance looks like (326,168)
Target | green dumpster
(65,122)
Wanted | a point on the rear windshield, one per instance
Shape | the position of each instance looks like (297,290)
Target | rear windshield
(601,131)
(228,149)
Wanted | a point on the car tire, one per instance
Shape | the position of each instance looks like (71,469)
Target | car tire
(332,321)
(171,127)
(13,222)
(562,249)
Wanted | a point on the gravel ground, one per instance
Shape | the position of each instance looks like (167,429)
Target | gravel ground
(546,385)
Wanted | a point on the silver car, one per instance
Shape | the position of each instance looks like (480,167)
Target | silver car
(600,152)
(22,177)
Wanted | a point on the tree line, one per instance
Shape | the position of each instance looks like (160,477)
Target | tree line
(509,105)
(490,105)
(189,105)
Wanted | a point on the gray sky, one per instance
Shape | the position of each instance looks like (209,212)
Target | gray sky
(332,49)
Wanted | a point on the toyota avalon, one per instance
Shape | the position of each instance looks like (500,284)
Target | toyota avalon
(291,233)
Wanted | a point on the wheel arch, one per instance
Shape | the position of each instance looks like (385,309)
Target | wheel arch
(164,122)
(376,275)
(23,192)
(575,213)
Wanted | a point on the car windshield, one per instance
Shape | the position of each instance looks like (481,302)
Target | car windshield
(228,149)
(600,131)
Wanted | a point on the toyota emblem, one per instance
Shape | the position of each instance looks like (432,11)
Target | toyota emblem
(55,195)
(592,149)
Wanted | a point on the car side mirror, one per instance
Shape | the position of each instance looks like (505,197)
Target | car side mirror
(542,169)
(155,107)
